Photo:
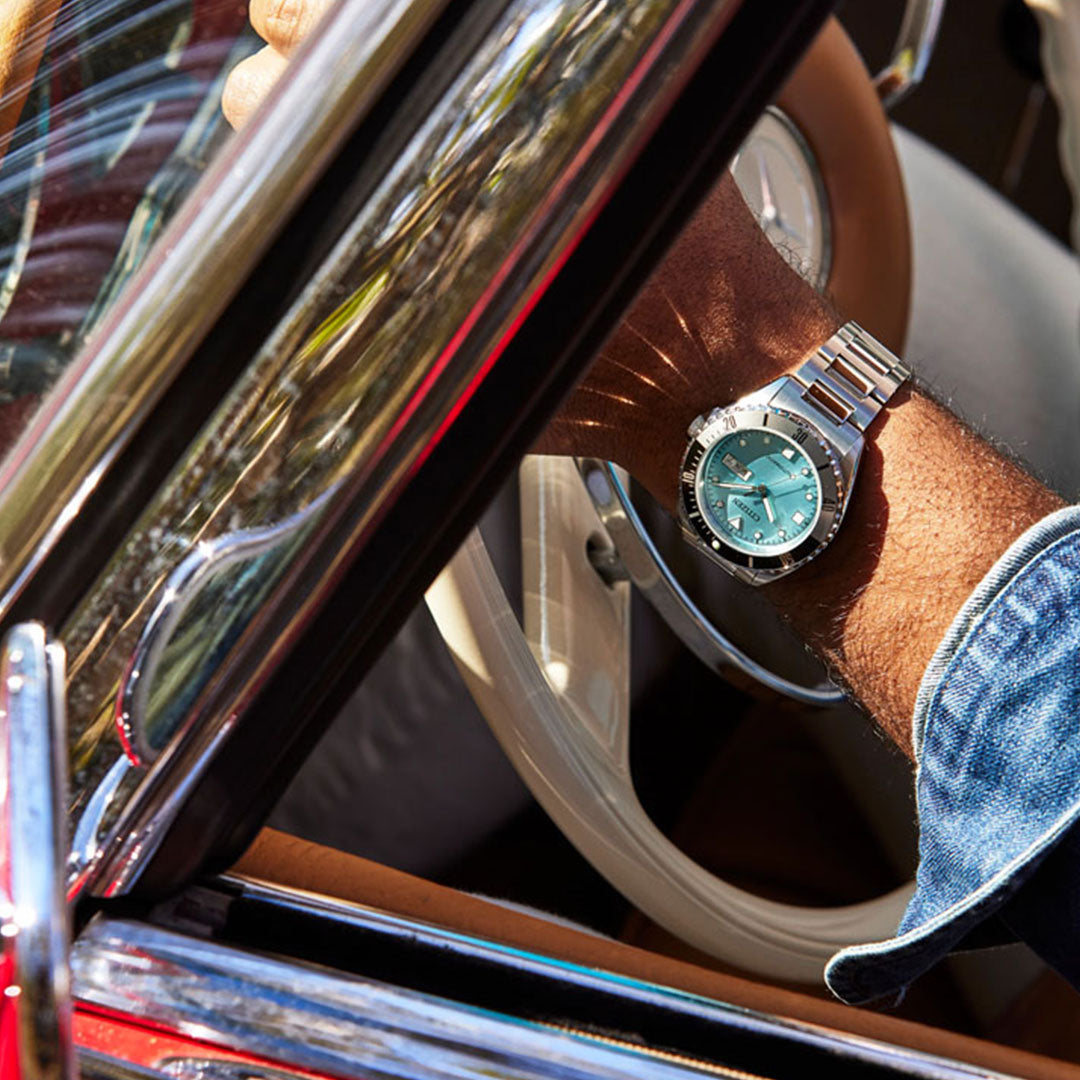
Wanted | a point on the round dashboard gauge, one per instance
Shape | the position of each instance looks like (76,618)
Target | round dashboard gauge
(779,178)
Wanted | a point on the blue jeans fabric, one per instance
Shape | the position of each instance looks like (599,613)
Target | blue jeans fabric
(998,775)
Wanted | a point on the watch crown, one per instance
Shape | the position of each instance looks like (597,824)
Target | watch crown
(695,426)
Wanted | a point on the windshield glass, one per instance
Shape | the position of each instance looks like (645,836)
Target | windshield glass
(109,113)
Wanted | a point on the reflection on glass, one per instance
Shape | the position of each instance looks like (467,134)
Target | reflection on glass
(121,118)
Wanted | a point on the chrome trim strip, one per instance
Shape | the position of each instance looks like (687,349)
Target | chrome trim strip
(216,238)
(326,1022)
(97,1066)
(211,1068)
(33,911)
(209,558)
(160,976)
(912,51)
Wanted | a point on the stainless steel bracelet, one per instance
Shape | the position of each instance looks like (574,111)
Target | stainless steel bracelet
(846,381)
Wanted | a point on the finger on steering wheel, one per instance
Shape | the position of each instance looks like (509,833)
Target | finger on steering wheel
(249,83)
(283,25)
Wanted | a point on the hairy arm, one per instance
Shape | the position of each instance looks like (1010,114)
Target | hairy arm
(934,505)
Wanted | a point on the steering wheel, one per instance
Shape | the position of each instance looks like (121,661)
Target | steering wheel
(555,691)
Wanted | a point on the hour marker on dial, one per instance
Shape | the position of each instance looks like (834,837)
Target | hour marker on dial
(806,472)
(788,452)
(736,523)
(809,496)
(759,535)
(781,533)
(798,517)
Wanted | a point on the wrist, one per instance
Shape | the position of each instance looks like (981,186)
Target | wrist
(933,506)
(933,509)
(705,332)
(747,360)
(723,315)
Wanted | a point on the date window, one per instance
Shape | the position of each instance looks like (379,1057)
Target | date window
(736,466)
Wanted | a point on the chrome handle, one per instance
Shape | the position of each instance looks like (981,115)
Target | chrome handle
(35,934)
(912,51)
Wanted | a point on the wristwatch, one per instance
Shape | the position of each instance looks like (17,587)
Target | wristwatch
(764,483)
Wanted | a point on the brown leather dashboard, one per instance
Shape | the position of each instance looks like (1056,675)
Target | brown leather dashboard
(294,863)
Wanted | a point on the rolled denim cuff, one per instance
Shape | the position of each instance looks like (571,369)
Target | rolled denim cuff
(995,737)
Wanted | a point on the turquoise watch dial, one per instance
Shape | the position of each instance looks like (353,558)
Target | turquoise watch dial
(759,491)
(761,488)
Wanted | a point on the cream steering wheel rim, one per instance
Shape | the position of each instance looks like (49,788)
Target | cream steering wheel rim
(556,696)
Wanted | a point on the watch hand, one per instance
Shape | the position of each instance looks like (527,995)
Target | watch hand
(735,487)
(768,507)
(780,490)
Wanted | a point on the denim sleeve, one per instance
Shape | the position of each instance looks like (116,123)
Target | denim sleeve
(998,774)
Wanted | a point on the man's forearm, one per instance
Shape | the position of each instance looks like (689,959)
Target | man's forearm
(934,505)
(933,509)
